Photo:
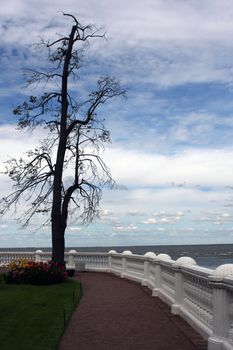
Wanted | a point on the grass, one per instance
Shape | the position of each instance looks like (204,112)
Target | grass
(32,317)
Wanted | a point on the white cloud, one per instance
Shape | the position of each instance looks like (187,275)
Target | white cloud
(216,217)
(106,212)
(129,228)
(225,215)
(3,226)
(162,20)
(167,218)
(74,228)
(175,42)
(133,212)
(14,143)
(150,221)
(194,167)
(166,44)
(164,221)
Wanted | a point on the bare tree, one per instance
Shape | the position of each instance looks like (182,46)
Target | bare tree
(66,172)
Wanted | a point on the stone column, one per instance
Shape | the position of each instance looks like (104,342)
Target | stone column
(221,307)
(126,252)
(146,273)
(158,279)
(110,259)
(145,281)
(179,291)
(71,262)
(37,255)
(158,282)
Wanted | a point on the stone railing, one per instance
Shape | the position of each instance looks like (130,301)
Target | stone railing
(203,297)
(73,259)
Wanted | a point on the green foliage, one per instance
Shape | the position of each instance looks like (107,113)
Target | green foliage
(2,278)
(32,317)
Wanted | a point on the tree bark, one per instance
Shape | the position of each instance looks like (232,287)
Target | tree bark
(58,225)
(58,243)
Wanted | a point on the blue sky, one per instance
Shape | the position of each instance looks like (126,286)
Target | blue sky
(172,147)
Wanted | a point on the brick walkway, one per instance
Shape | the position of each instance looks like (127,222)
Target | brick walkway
(116,314)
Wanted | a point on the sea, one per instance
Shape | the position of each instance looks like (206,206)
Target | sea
(206,255)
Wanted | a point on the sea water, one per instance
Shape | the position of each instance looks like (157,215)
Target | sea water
(207,255)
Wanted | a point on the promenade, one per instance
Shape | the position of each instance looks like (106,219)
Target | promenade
(117,314)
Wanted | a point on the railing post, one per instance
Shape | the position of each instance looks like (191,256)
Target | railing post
(38,255)
(158,281)
(71,262)
(126,252)
(109,262)
(179,291)
(146,273)
(179,282)
(146,267)
(110,259)
(220,307)
(123,267)
(158,273)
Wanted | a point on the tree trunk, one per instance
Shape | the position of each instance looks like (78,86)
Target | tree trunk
(58,224)
(58,243)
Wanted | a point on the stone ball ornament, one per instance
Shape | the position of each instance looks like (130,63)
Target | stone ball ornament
(72,251)
(185,261)
(127,252)
(225,270)
(163,256)
(150,255)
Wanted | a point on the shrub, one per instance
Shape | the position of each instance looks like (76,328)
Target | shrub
(31,272)
(2,279)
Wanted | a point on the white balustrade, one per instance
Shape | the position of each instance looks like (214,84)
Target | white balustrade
(167,292)
(203,297)
(222,283)
(8,257)
(150,277)
(91,261)
(198,298)
(134,268)
(179,294)
(230,317)
(116,264)
(45,256)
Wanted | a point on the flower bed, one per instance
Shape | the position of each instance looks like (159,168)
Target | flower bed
(31,272)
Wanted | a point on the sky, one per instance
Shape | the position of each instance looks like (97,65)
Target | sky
(172,147)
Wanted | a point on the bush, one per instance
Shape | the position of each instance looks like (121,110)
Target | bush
(2,279)
(31,272)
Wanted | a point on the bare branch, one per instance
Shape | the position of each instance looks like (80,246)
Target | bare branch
(66,172)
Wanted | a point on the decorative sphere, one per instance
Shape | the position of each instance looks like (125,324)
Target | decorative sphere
(72,251)
(39,251)
(225,270)
(127,252)
(185,261)
(163,256)
(112,251)
(150,255)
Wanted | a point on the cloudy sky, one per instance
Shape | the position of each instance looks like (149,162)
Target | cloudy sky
(172,139)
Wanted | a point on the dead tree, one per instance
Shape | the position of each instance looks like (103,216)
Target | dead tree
(66,173)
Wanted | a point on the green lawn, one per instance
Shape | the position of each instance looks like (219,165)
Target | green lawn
(32,317)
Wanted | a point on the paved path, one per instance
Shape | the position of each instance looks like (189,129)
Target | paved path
(116,314)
